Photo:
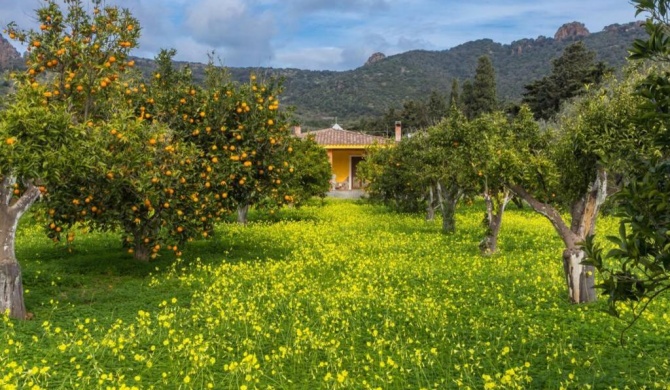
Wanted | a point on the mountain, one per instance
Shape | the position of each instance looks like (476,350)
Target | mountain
(9,56)
(9,59)
(372,89)
(385,82)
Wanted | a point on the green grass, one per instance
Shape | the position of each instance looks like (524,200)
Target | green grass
(342,296)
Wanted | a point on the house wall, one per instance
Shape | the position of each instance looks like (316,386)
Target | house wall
(340,162)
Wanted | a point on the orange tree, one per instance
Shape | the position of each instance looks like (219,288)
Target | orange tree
(137,188)
(55,112)
(243,138)
(147,183)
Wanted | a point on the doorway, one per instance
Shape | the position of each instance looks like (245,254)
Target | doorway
(354,182)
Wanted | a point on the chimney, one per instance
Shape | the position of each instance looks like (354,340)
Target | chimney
(398,131)
(297,131)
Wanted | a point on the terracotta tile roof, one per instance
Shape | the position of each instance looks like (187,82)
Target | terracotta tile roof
(335,136)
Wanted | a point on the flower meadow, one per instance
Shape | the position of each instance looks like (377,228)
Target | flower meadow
(343,295)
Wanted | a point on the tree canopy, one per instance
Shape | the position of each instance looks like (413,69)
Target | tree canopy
(637,269)
(570,73)
(160,159)
(484,93)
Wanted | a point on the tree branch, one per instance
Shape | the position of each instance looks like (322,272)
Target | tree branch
(568,237)
(30,195)
(507,196)
(6,189)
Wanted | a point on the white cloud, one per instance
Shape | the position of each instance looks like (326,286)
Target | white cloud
(308,6)
(243,37)
(329,34)
(311,58)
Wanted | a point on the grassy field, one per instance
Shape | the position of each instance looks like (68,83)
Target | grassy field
(342,296)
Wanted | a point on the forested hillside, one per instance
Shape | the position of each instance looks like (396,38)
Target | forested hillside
(370,90)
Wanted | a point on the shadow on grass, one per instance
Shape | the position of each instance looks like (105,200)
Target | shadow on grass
(98,272)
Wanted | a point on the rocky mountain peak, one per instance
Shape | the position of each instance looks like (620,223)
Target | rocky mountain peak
(624,28)
(571,31)
(9,56)
(376,57)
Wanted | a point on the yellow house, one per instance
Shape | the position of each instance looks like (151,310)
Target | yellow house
(345,150)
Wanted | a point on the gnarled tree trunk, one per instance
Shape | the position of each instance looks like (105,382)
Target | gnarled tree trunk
(11,284)
(448,196)
(11,289)
(579,277)
(495,208)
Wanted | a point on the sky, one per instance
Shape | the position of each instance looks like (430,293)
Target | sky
(336,34)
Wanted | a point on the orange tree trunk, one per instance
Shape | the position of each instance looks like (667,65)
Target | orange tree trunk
(11,210)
